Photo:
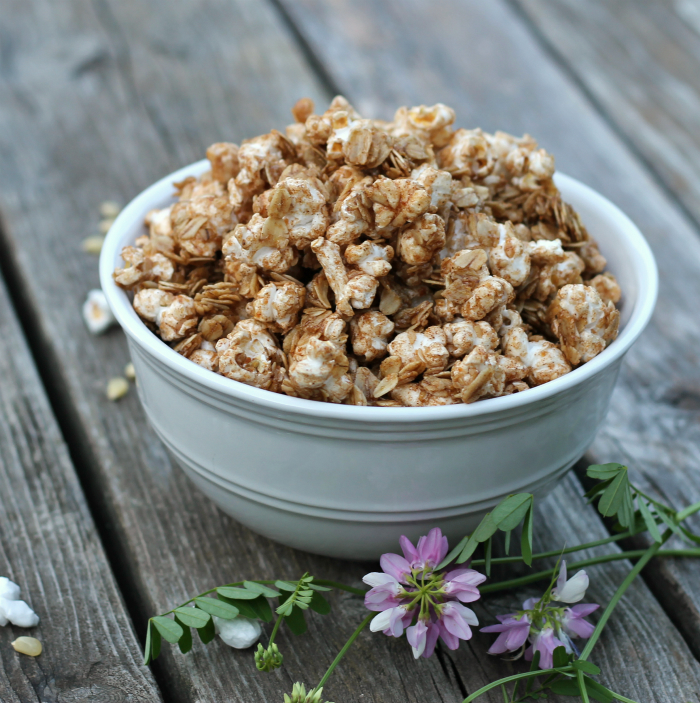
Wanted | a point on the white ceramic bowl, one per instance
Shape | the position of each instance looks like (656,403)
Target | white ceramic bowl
(347,481)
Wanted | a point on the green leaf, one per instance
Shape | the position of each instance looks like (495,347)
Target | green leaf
(262,589)
(468,550)
(507,542)
(570,687)
(320,604)
(156,642)
(691,538)
(208,632)
(486,528)
(192,617)
(217,607)
(295,621)
(487,556)
(586,667)
(185,642)
(286,586)
(626,514)
(648,519)
(319,588)
(526,537)
(509,513)
(668,521)
(236,593)
(453,554)
(560,658)
(262,608)
(168,628)
(147,648)
(244,607)
(604,471)
(614,494)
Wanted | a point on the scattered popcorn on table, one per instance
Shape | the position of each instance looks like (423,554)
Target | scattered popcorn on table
(117,388)
(28,645)
(96,313)
(130,371)
(12,609)
(239,633)
(364,262)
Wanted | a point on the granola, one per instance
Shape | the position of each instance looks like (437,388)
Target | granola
(357,261)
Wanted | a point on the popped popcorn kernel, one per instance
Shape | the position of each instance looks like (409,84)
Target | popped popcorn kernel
(350,260)
(117,388)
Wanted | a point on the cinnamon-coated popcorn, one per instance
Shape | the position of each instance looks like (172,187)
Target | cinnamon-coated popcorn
(478,375)
(393,264)
(369,333)
(250,355)
(583,323)
(278,305)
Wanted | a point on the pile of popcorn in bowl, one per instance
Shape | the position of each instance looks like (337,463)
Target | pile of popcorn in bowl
(364,262)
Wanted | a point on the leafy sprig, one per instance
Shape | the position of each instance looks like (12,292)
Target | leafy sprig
(617,498)
(506,516)
(246,598)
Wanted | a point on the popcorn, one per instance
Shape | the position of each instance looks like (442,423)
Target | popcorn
(370,331)
(96,312)
(583,323)
(250,355)
(12,609)
(393,264)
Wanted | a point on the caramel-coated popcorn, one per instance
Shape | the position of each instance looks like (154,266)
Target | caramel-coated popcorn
(393,264)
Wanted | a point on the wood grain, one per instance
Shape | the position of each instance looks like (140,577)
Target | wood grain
(480,59)
(49,546)
(96,101)
(639,62)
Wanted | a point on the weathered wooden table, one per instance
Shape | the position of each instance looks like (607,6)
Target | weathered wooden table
(99,98)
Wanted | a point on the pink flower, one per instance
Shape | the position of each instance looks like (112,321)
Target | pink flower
(429,552)
(572,620)
(392,621)
(514,630)
(384,591)
(545,643)
(409,595)
(462,584)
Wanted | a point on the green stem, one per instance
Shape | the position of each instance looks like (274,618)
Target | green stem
(345,648)
(557,552)
(687,512)
(621,698)
(341,587)
(582,686)
(605,558)
(278,622)
(514,677)
(620,591)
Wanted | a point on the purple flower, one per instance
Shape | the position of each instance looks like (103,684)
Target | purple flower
(544,625)
(462,584)
(545,643)
(384,592)
(428,553)
(514,631)
(410,595)
(572,620)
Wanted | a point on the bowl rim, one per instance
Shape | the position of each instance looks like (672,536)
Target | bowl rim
(155,196)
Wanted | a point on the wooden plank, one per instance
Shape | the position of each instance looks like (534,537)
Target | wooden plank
(479,58)
(49,546)
(97,100)
(170,541)
(639,62)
